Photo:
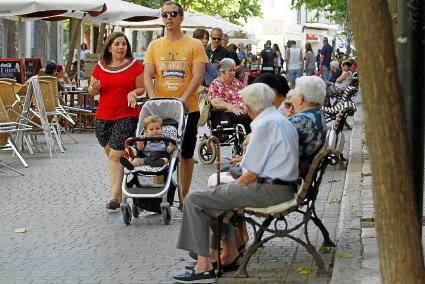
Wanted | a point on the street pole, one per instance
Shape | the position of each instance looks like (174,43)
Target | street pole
(410,61)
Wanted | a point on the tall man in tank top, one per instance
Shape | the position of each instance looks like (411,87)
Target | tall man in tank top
(177,63)
(294,63)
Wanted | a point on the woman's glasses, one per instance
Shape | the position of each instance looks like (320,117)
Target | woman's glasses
(173,14)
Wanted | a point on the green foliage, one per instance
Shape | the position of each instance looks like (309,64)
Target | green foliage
(324,249)
(342,254)
(336,10)
(231,10)
(304,269)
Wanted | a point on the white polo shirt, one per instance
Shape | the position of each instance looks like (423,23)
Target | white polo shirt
(273,148)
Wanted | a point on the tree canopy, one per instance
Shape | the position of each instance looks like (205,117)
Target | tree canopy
(231,10)
(336,10)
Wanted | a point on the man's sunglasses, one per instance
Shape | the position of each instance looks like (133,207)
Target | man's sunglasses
(216,38)
(173,14)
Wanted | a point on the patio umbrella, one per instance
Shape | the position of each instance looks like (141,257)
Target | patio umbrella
(119,11)
(48,8)
(191,20)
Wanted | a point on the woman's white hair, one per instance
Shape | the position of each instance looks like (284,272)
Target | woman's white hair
(226,63)
(258,96)
(313,88)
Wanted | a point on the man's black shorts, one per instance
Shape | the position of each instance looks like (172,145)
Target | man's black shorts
(189,139)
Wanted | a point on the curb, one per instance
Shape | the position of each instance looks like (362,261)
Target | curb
(349,269)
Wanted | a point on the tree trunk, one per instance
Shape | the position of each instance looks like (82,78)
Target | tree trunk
(99,44)
(11,31)
(393,10)
(74,33)
(399,243)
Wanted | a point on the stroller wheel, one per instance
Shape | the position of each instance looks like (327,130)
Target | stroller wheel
(166,215)
(135,211)
(126,213)
(206,154)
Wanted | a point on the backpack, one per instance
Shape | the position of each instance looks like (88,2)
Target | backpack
(211,73)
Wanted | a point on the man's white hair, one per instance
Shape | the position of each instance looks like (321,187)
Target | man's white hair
(313,88)
(258,96)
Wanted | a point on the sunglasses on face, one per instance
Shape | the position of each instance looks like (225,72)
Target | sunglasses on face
(216,38)
(173,14)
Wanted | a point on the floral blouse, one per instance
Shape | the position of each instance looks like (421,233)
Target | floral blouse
(311,127)
(230,93)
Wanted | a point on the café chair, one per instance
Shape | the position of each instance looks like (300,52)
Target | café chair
(9,127)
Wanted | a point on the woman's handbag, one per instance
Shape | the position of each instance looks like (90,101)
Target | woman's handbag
(204,108)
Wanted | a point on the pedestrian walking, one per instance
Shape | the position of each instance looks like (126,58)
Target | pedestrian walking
(310,60)
(234,55)
(177,63)
(268,54)
(118,79)
(215,51)
(294,63)
(278,61)
(325,59)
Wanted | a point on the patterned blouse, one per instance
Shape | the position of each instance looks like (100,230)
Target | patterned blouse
(230,93)
(311,127)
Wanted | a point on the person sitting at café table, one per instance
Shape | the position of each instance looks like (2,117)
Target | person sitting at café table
(62,76)
(50,70)
(271,161)
(223,93)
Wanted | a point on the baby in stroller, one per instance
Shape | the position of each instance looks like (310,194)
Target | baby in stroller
(150,153)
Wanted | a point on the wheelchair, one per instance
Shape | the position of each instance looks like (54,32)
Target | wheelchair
(228,134)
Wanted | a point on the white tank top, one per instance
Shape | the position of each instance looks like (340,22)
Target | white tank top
(294,58)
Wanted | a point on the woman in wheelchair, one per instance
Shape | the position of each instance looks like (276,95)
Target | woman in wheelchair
(223,93)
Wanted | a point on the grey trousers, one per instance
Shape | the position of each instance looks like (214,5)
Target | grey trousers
(200,207)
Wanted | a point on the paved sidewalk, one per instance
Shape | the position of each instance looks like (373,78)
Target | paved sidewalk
(72,238)
(356,233)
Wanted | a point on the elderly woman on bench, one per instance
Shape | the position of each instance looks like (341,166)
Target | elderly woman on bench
(272,171)
(306,100)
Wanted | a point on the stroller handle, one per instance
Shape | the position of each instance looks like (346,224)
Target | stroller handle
(130,141)
(185,107)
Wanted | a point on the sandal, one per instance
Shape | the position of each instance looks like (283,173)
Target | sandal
(126,163)
(113,204)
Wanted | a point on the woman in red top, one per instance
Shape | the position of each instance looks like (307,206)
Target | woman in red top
(118,79)
(223,93)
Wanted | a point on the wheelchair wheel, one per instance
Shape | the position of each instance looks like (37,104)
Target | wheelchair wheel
(205,155)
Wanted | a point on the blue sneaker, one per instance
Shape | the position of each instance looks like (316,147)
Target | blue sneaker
(193,277)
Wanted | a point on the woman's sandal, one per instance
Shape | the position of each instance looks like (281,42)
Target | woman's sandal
(232,266)
(226,268)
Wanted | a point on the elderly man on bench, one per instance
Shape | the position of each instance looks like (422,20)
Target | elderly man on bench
(271,161)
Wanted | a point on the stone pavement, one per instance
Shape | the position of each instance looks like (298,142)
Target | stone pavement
(72,238)
(356,233)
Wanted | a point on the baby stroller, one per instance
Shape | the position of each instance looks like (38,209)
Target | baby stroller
(227,133)
(155,197)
